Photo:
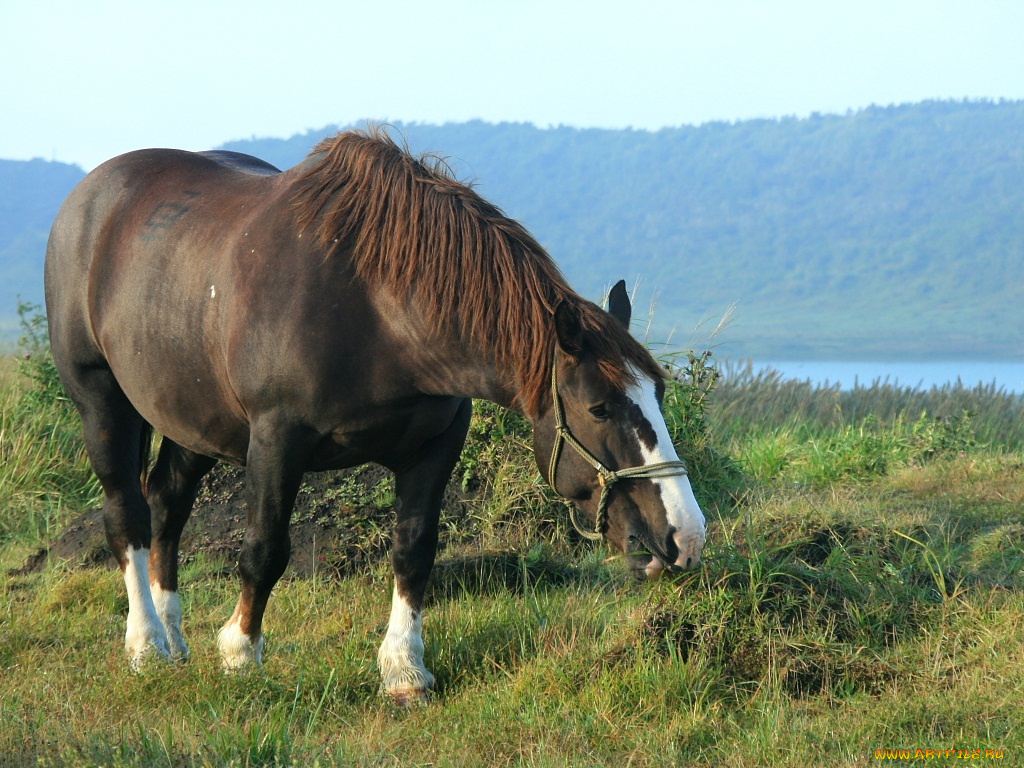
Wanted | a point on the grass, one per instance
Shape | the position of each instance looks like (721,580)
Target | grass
(862,591)
(44,476)
(814,634)
(747,399)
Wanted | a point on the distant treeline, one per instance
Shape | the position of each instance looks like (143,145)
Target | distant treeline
(888,232)
(30,194)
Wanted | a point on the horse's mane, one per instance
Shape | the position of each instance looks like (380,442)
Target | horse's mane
(413,228)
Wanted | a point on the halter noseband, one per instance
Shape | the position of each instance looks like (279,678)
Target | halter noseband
(605,477)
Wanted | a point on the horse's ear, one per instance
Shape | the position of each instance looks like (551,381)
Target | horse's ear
(618,304)
(568,329)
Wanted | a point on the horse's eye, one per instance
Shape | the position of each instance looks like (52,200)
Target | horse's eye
(600,412)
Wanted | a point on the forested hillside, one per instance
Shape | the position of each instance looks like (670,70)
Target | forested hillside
(889,232)
(30,194)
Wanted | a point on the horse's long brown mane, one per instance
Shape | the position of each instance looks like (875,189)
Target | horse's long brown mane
(413,228)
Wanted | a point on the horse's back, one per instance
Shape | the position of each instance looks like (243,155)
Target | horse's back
(146,201)
(239,161)
(131,180)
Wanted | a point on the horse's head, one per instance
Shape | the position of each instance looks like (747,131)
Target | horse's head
(607,449)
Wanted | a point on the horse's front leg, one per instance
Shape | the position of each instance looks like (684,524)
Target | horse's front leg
(273,472)
(419,490)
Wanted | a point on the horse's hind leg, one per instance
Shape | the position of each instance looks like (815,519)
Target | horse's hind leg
(171,491)
(114,432)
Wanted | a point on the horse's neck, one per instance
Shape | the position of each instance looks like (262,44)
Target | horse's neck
(450,368)
(442,364)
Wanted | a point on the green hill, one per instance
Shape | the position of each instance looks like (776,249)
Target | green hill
(30,194)
(884,233)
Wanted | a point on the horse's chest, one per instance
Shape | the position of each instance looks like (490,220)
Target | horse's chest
(386,435)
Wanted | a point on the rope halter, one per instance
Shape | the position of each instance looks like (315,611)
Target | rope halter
(606,478)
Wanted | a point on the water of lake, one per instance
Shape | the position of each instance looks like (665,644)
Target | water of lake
(1006,375)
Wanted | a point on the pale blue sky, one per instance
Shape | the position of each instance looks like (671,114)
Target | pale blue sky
(83,81)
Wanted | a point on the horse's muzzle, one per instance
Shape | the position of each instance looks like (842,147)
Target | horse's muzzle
(682,553)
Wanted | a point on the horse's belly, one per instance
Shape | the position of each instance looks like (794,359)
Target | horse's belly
(188,404)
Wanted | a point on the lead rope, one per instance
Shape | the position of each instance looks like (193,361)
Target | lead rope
(605,477)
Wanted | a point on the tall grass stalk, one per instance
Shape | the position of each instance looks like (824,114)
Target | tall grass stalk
(748,400)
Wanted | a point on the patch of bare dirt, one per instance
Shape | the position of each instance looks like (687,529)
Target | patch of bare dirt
(342,521)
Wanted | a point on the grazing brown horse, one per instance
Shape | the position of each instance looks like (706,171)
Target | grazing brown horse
(342,312)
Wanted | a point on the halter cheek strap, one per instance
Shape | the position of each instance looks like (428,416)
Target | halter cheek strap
(606,478)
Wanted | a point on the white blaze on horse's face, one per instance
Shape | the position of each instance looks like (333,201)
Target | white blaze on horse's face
(683,513)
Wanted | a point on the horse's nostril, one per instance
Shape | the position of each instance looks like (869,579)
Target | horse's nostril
(671,548)
(689,562)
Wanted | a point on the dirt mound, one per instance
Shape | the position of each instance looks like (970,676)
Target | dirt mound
(342,521)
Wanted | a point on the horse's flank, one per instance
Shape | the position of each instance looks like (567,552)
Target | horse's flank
(410,227)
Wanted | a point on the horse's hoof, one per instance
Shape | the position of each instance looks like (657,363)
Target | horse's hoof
(140,657)
(237,650)
(408,698)
(178,648)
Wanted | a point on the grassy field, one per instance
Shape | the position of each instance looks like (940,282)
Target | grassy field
(862,593)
